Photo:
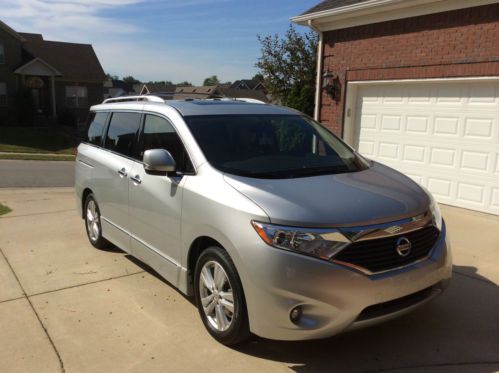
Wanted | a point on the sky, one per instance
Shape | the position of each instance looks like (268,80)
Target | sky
(174,40)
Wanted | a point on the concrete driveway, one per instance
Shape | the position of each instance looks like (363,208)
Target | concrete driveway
(65,306)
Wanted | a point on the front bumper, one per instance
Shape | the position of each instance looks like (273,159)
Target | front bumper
(333,298)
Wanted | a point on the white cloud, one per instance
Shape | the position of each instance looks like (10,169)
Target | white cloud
(84,21)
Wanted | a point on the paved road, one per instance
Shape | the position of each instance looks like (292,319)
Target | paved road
(36,174)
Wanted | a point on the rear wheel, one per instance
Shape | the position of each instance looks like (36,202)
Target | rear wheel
(219,297)
(93,223)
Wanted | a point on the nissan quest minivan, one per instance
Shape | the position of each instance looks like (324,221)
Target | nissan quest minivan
(276,226)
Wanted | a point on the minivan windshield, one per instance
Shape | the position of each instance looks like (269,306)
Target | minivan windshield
(272,146)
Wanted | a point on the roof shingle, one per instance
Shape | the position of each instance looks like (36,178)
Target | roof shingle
(331,4)
(75,61)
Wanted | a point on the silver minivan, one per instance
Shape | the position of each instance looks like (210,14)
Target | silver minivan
(276,226)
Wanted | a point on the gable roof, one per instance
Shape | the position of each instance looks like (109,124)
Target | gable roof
(37,62)
(28,36)
(12,32)
(249,83)
(74,61)
(209,91)
(157,88)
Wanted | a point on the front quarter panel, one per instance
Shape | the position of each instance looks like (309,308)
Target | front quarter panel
(212,208)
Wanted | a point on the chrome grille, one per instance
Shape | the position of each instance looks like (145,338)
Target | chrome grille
(379,255)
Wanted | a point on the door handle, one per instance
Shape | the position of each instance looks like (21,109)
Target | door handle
(122,172)
(136,179)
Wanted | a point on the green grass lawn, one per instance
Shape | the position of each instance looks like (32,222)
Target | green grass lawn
(4,209)
(36,140)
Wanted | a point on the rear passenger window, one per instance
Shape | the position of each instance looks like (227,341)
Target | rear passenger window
(122,133)
(97,122)
(160,134)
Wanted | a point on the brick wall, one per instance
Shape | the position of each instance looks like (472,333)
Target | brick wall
(451,44)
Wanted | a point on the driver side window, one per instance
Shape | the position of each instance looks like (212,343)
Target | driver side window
(158,133)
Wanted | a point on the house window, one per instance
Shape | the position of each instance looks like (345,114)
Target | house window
(3,94)
(76,96)
(2,55)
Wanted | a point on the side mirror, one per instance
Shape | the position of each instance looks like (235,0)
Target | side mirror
(158,161)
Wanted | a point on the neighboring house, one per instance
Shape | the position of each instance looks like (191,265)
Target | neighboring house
(251,84)
(117,88)
(414,84)
(158,89)
(215,91)
(59,78)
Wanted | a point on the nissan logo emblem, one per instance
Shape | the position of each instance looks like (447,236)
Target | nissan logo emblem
(403,246)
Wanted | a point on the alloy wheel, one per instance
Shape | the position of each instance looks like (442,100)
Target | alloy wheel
(93,221)
(216,296)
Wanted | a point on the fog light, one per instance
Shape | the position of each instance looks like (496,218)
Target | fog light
(295,314)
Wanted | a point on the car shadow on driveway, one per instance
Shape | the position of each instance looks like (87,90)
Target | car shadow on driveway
(458,331)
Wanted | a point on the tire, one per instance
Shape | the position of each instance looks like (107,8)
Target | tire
(93,223)
(225,281)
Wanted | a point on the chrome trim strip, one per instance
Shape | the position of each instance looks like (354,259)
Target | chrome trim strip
(379,231)
(143,243)
(372,232)
(155,250)
(115,225)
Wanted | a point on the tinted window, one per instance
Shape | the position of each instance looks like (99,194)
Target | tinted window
(277,146)
(160,134)
(122,133)
(96,128)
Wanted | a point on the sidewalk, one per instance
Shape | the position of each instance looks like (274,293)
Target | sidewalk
(37,156)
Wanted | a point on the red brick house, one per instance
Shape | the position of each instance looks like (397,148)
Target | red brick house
(60,79)
(414,84)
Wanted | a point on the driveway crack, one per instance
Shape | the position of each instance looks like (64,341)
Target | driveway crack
(63,370)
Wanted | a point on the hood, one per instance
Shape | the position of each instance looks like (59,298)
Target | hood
(375,195)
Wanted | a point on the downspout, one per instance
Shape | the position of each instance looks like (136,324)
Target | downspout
(318,81)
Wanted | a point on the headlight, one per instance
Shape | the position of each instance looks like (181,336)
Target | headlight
(435,210)
(320,243)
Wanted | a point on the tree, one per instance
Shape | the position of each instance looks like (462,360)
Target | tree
(211,80)
(164,82)
(258,77)
(112,77)
(185,83)
(288,66)
(130,79)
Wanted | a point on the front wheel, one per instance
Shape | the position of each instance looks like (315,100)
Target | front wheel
(219,297)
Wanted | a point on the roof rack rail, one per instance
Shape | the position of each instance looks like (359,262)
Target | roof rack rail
(133,98)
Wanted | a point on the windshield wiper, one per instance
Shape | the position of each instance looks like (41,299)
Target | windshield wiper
(316,171)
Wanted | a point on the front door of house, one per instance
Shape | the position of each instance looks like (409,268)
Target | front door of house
(36,85)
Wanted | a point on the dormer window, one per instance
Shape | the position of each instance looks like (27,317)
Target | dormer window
(2,54)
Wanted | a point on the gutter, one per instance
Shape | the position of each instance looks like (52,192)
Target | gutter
(318,79)
(366,5)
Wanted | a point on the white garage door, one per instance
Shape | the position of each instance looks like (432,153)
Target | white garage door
(444,135)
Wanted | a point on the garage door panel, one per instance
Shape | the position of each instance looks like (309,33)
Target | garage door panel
(479,128)
(444,136)
(446,126)
(483,94)
(417,124)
